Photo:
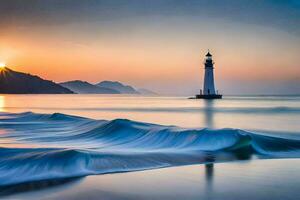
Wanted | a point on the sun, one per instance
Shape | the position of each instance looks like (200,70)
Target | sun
(2,65)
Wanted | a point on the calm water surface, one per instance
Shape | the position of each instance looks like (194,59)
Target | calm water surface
(274,113)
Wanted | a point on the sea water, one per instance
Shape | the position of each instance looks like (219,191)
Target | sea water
(274,113)
(49,137)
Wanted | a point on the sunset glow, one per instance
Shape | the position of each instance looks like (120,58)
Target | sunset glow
(2,65)
(159,46)
(161,99)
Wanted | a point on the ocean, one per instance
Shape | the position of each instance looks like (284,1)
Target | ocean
(51,144)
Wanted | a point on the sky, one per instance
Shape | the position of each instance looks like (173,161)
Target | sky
(159,44)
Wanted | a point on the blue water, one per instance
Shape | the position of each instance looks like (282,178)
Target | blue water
(50,137)
(50,146)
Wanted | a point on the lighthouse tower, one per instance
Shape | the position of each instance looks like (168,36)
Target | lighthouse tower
(209,83)
(209,91)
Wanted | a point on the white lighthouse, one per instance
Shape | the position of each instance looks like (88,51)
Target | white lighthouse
(209,83)
(209,91)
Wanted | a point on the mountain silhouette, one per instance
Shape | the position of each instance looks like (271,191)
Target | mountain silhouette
(83,87)
(146,91)
(12,82)
(115,85)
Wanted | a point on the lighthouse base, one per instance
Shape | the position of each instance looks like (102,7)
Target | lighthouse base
(208,96)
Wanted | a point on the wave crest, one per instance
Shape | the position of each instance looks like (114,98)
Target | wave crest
(70,146)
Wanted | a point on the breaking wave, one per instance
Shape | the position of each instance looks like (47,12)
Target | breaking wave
(37,147)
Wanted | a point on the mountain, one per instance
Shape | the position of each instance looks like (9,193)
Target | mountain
(83,87)
(12,82)
(124,89)
(146,91)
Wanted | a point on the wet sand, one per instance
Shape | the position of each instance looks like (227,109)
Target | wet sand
(254,179)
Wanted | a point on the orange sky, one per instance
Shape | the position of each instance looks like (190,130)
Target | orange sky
(153,53)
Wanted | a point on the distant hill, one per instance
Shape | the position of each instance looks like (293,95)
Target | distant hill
(83,87)
(123,89)
(12,82)
(146,91)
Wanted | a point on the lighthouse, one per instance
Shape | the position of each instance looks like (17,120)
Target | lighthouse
(209,91)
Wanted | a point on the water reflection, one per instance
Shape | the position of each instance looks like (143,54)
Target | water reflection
(178,111)
(2,103)
(209,175)
(57,184)
(209,113)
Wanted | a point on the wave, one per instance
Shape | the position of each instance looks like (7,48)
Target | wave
(64,146)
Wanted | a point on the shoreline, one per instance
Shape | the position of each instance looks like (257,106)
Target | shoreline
(230,180)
